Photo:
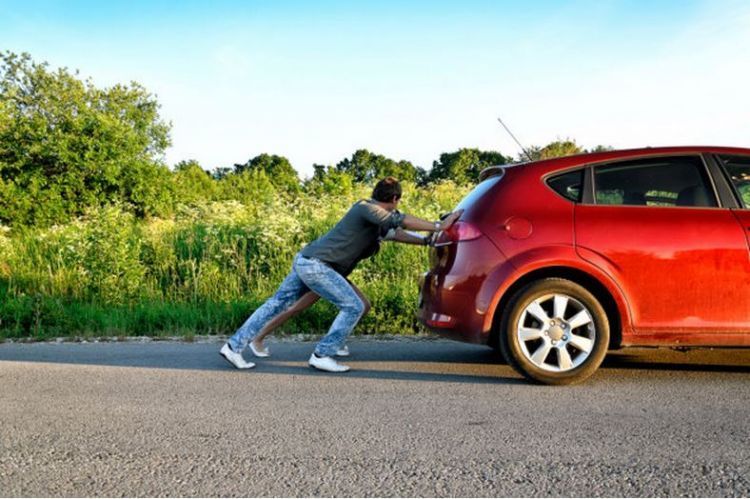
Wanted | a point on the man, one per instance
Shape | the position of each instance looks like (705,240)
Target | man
(310,298)
(321,266)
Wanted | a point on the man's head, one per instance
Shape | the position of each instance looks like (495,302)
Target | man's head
(387,191)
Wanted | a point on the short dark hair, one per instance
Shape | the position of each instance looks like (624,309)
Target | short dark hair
(386,190)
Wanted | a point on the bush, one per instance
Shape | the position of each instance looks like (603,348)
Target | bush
(200,271)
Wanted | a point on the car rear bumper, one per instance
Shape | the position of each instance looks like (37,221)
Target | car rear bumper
(448,292)
(449,312)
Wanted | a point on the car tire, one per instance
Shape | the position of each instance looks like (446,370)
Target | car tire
(554,331)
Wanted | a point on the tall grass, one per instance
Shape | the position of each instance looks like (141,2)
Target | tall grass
(200,272)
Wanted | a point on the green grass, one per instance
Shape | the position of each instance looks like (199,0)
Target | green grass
(201,272)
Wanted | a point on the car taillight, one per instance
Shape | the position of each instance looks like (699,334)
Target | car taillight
(459,231)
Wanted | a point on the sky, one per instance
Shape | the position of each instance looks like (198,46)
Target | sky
(316,80)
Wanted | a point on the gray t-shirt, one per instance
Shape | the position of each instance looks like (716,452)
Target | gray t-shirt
(355,237)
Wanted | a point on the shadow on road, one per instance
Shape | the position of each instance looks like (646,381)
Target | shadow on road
(443,361)
(662,359)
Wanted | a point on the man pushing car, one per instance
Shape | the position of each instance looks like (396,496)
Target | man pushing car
(322,265)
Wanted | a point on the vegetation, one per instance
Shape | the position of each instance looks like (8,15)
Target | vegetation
(98,236)
(66,145)
(200,271)
(465,165)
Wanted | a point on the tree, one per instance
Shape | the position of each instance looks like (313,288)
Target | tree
(66,145)
(193,183)
(278,169)
(251,186)
(560,148)
(600,148)
(220,172)
(368,167)
(329,180)
(464,165)
(556,149)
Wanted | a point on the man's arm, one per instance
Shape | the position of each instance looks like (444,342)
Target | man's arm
(414,223)
(405,236)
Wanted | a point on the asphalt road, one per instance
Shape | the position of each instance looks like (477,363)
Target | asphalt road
(413,418)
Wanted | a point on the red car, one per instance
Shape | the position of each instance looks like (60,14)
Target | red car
(556,261)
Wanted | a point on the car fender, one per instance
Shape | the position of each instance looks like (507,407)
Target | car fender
(502,277)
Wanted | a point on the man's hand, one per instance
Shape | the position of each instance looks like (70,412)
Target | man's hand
(450,219)
(430,238)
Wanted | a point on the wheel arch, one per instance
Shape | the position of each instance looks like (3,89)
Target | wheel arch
(591,283)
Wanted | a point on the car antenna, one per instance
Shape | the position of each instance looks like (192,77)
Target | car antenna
(526,152)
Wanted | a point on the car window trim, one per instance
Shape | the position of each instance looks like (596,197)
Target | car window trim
(730,195)
(707,171)
(700,155)
(588,183)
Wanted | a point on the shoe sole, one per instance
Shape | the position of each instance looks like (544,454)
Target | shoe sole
(232,363)
(326,370)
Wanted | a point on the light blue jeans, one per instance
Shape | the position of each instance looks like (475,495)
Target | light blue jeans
(307,274)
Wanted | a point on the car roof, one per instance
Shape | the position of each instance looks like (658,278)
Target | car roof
(547,165)
(617,154)
(646,151)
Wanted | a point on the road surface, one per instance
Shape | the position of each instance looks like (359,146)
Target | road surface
(413,418)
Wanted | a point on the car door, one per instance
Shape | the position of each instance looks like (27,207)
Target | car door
(656,226)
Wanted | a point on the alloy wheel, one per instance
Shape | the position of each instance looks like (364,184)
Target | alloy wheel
(556,333)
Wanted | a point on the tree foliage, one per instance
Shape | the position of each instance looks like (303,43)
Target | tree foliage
(249,185)
(192,183)
(277,169)
(600,148)
(464,165)
(66,145)
(329,180)
(367,167)
(556,149)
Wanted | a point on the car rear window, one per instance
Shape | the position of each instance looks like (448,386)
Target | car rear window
(568,185)
(478,191)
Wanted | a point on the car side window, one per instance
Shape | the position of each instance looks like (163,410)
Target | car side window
(663,181)
(738,168)
(568,185)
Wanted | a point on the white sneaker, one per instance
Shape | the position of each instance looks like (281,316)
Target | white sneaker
(327,364)
(259,353)
(343,351)
(234,358)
